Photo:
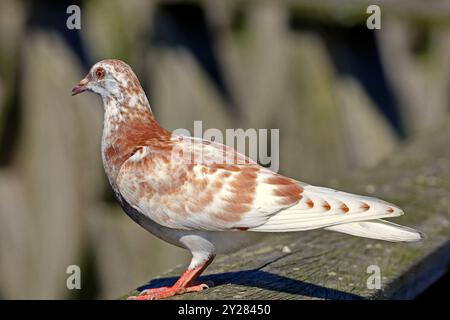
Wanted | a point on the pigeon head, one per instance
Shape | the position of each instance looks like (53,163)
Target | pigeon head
(110,79)
(127,110)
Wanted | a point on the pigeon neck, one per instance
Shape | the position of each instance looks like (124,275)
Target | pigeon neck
(128,124)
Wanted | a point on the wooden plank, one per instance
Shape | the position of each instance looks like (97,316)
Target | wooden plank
(328,265)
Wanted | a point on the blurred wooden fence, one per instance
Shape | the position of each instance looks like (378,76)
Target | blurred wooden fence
(344,97)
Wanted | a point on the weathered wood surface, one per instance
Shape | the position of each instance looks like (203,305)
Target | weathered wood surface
(328,265)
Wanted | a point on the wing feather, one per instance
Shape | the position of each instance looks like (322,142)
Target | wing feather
(329,207)
(210,191)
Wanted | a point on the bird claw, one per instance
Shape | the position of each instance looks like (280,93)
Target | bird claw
(166,292)
(206,285)
(152,290)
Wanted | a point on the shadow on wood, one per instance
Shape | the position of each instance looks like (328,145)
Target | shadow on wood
(264,280)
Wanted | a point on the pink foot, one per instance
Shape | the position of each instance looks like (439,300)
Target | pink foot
(186,283)
(166,292)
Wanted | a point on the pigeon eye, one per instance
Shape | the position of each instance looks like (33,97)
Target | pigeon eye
(100,73)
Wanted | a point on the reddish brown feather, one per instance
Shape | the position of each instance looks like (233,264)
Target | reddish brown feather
(345,208)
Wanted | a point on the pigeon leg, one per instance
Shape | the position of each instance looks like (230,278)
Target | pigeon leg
(186,283)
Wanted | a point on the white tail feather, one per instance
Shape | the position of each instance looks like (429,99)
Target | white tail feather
(378,229)
(324,208)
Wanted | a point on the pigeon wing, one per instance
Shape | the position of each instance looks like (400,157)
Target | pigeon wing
(200,185)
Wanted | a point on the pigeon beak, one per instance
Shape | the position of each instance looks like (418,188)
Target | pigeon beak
(81,87)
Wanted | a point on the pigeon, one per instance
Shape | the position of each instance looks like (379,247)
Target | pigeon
(206,197)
